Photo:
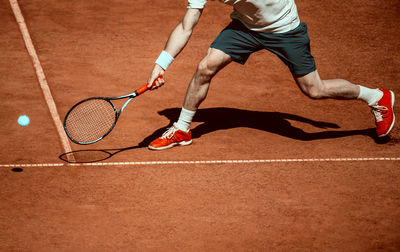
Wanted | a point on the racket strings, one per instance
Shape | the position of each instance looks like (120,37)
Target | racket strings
(90,120)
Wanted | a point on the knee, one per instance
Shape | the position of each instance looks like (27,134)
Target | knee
(206,69)
(312,85)
(314,90)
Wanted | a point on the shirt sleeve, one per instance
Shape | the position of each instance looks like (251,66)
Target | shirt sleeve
(196,4)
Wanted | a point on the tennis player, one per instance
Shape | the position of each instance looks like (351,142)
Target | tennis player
(273,25)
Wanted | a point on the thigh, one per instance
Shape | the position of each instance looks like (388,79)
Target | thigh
(237,41)
(308,81)
(292,47)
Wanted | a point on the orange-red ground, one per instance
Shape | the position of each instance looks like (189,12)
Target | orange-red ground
(107,48)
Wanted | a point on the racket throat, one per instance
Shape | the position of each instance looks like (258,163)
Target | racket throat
(125,104)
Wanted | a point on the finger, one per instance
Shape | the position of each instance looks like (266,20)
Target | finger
(161,80)
(151,82)
(157,82)
(154,86)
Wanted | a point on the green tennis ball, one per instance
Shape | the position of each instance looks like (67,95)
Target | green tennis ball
(23,120)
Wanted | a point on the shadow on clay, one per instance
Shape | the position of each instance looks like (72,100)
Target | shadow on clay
(222,118)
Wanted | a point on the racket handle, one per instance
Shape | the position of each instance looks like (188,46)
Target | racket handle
(144,88)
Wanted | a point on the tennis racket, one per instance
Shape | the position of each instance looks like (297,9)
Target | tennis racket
(92,119)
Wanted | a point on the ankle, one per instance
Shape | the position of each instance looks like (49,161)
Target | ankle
(185,119)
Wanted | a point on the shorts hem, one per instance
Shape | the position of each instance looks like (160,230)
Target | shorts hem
(303,72)
(235,58)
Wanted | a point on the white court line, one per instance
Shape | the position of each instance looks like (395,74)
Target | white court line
(42,78)
(154,163)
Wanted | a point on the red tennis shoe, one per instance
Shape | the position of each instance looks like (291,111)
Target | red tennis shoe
(383,112)
(173,136)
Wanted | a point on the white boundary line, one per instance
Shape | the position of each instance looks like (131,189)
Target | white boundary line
(41,77)
(153,163)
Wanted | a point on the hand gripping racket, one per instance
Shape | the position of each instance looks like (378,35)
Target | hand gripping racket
(94,118)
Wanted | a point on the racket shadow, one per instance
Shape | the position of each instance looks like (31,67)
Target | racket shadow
(92,155)
(98,155)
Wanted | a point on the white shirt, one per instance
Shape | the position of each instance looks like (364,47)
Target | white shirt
(270,16)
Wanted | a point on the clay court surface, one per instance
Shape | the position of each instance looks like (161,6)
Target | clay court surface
(269,169)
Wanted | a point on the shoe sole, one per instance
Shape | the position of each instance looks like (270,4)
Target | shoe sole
(183,143)
(391,126)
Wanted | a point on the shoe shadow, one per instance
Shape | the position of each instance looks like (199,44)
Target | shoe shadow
(214,119)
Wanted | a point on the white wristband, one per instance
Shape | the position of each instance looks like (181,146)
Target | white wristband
(164,60)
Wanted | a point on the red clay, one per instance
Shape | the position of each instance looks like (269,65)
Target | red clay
(107,48)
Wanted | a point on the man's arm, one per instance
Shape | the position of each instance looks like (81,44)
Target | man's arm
(177,40)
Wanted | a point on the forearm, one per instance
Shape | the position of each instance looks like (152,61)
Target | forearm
(175,44)
(182,32)
(177,40)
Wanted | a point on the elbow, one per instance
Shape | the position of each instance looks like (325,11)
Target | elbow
(188,27)
(190,20)
(187,30)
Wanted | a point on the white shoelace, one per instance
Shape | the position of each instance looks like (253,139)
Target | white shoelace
(169,133)
(378,111)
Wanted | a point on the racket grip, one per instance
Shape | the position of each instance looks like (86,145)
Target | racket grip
(144,88)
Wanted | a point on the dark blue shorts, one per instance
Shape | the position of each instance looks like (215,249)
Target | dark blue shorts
(292,47)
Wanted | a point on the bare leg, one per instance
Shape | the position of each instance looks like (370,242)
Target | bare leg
(197,91)
(381,101)
(312,85)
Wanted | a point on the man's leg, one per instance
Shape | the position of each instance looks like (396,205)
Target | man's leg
(312,85)
(179,133)
(381,101)
(214,61)
(197,91)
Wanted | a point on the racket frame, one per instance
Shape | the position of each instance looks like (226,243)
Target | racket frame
(130,97)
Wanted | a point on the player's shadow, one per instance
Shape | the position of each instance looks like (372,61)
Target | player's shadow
(214,119)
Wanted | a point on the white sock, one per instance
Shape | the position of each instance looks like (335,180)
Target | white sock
(370,96)
(185,119)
